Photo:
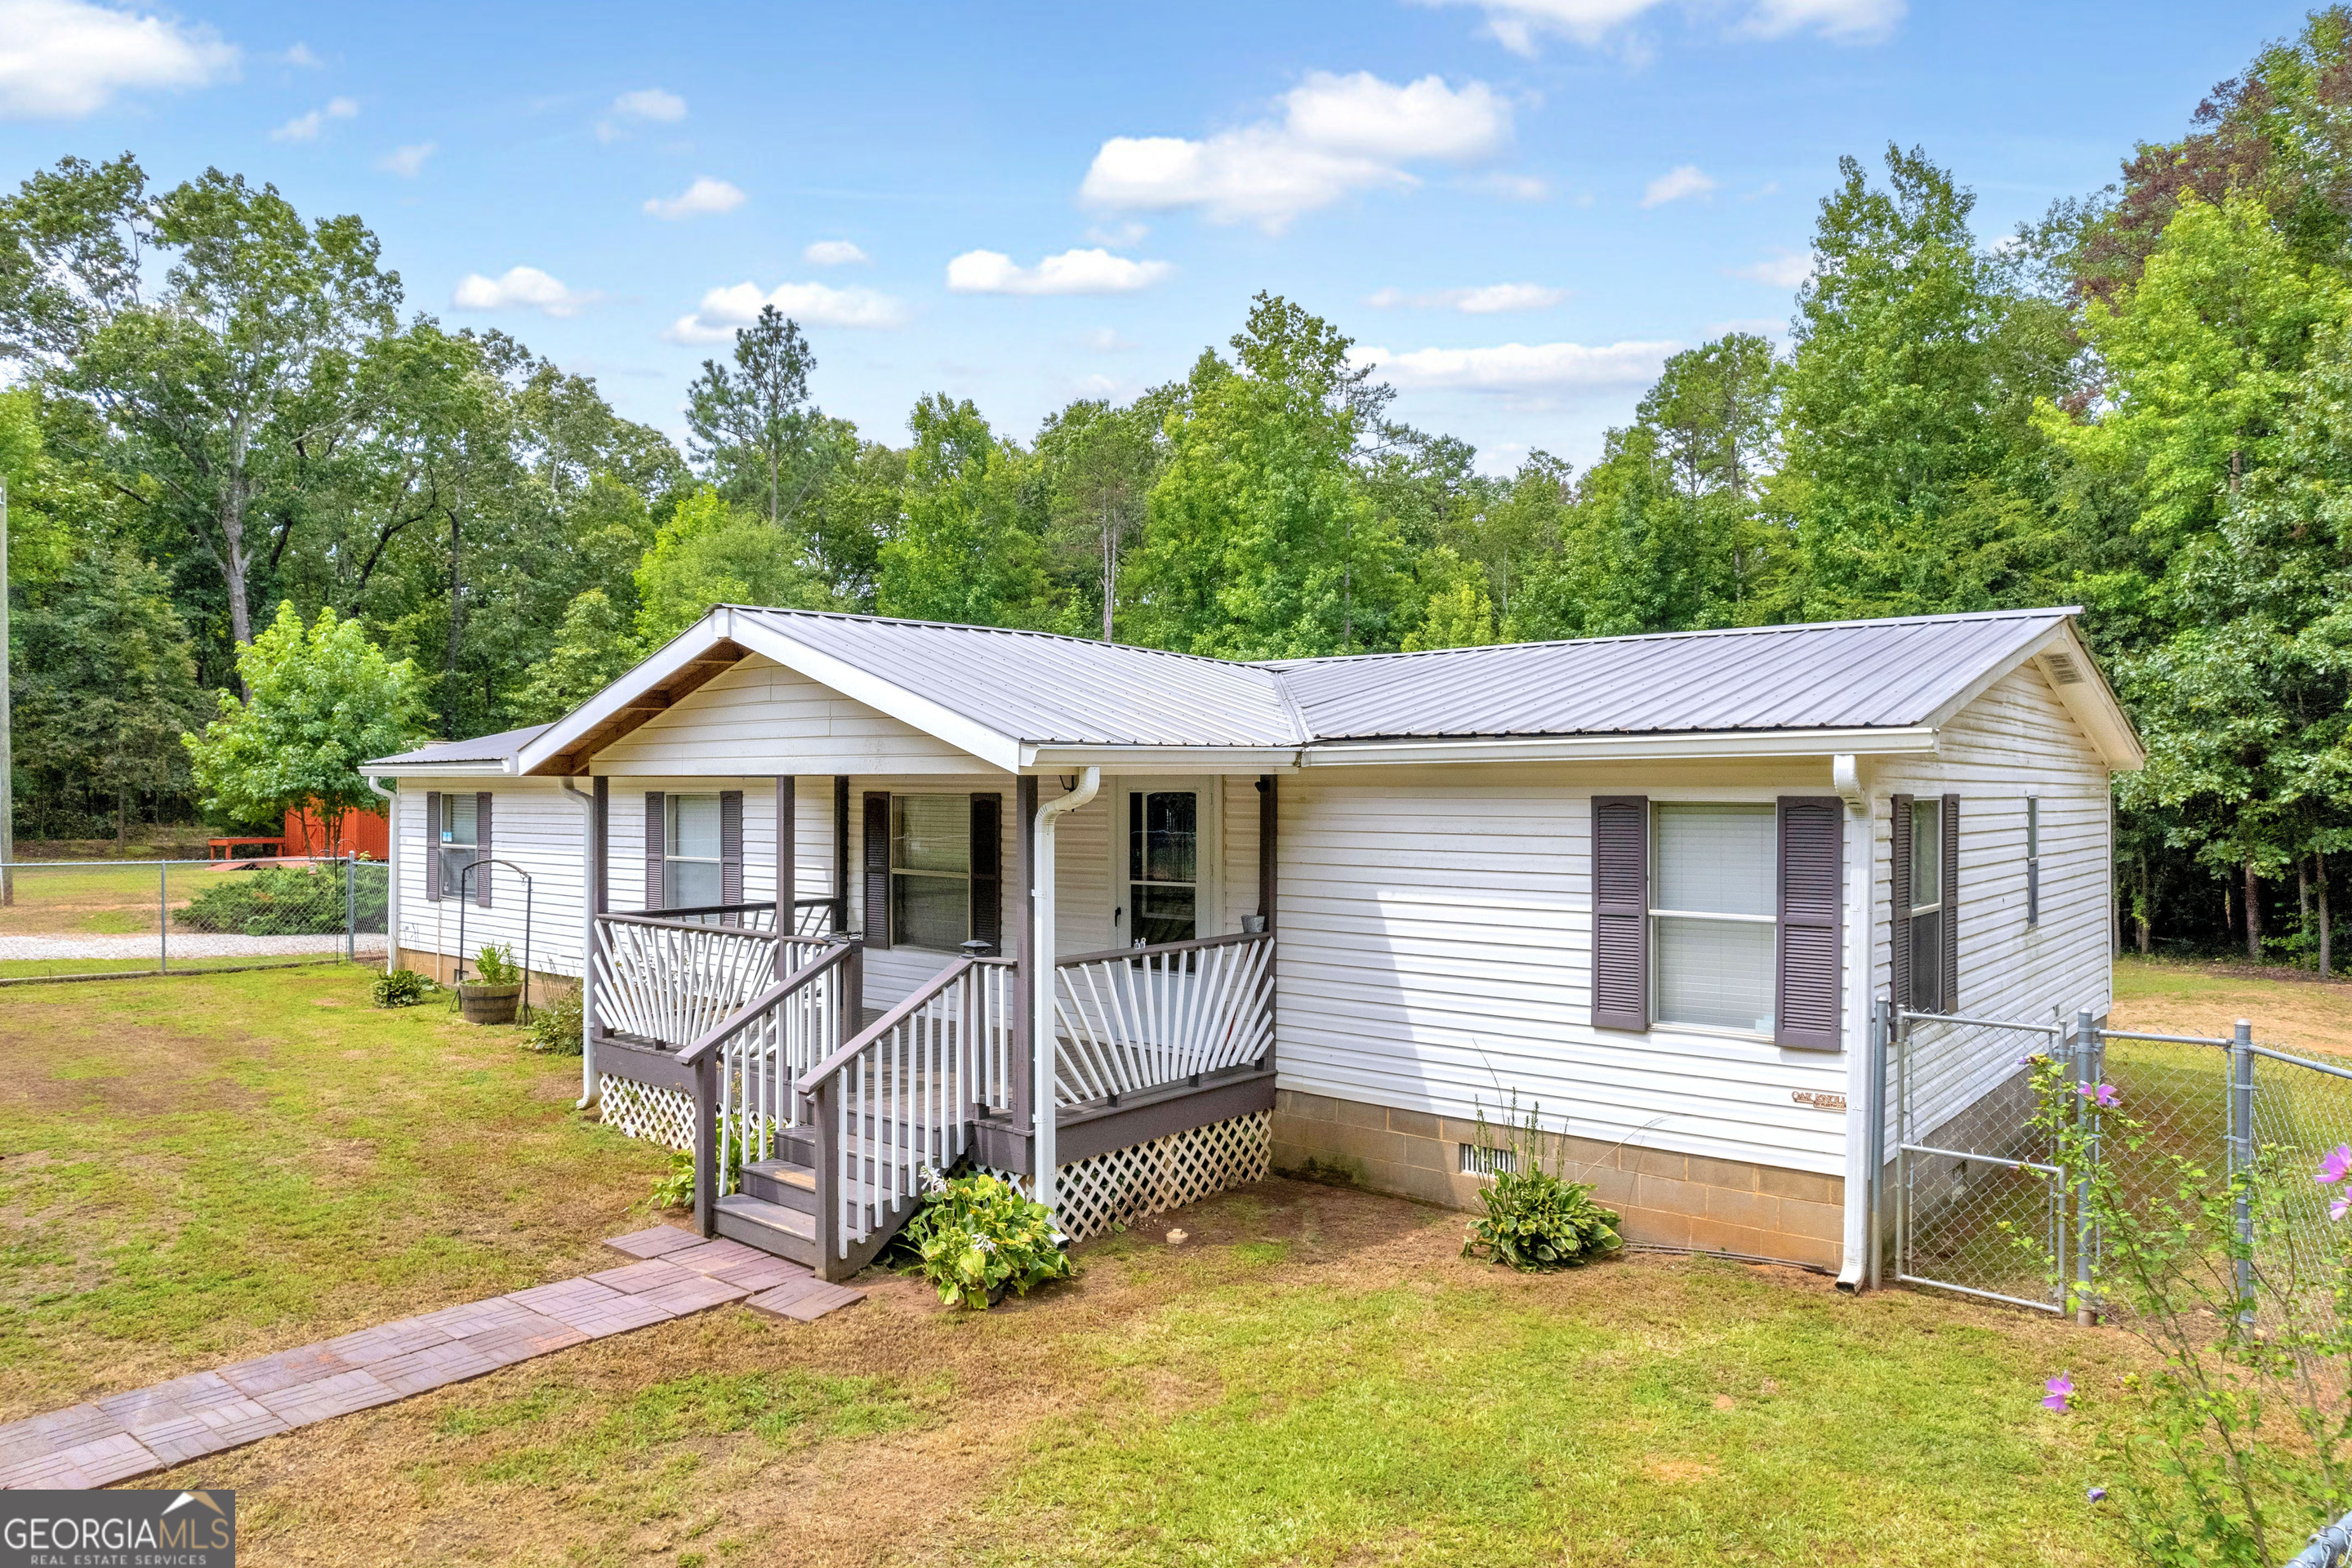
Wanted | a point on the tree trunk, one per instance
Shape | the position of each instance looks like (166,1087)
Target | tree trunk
(456,631)
(121,820)
(232,561)
(1109,568)
(2147,909)
(2253,915)
(2302,897)
(2326,952)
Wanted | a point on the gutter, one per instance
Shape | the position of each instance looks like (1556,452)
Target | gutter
(588,1095)
(1043,1070)
(1862,1160)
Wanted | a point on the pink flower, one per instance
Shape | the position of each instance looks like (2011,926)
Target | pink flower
(2104,1095)
(2096,1494)
(2055,1392)
(2335,1167)
(2342,1206)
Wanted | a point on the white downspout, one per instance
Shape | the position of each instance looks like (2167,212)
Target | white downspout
(1861,1160)
(392,893)
(1043,1067)
(588,876)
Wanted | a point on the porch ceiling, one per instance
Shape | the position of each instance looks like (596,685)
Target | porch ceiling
(641,706)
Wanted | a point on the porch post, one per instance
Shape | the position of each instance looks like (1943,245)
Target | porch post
(603,839)
(599,896)
(787,858)
(841,852)
(1269,816)
(1021,933)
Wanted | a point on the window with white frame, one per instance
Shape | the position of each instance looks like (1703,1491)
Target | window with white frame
(1163,865)
(930,870)
(692,853)
(1926,905)
(460,845)
(1714,915)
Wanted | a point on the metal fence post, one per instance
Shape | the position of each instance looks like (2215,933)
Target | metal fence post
(351,909)
(2242,1158)
(163,917)
(2086,1084)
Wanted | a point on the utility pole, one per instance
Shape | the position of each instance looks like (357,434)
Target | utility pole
(7,745)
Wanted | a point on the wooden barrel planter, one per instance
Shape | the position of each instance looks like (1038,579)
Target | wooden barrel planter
(480,1004)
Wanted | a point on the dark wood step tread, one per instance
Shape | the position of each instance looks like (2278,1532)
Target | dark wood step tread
(774,1216)
(785,1171)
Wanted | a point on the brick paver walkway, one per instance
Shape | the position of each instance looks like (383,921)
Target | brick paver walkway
(146,1429)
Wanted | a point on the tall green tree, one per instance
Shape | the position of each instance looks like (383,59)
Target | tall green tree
(971,540)
(324,698)
(752,423)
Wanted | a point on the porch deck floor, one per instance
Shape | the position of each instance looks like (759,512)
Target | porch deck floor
(673,1273)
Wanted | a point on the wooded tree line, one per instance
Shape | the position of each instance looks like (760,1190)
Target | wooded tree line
(2141,403)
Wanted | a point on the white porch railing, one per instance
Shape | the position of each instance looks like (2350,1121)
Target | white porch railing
(791,1027)
(670,980)
(898,1100)
(1137,1018)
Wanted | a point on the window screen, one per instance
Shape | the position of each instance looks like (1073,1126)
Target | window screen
(691,870)
(930,870)
(1163,832)
(460,832)
(1713,911)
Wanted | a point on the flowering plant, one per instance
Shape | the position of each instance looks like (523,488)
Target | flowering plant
(977,1237)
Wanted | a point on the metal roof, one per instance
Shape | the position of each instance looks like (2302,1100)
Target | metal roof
(1826,675)
(1041,689)
(1053,690)
(495,748)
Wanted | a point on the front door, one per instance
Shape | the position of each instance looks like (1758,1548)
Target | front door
(1163,853)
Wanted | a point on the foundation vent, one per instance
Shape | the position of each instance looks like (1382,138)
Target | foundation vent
(1483,1162)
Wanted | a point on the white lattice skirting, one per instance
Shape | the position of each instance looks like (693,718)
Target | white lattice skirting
(662,1116)
(1141,1179)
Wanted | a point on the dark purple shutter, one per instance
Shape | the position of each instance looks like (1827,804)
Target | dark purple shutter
(877,870)
(433,844)
(657,841)
(1898,898)
(1948,987)
(730,847)
(1621,912)
(1813,853)
(988,871)
(482,849)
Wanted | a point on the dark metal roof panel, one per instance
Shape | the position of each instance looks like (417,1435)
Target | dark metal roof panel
(1057,690)
(1839,674)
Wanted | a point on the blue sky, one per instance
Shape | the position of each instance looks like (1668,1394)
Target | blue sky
(1523,204)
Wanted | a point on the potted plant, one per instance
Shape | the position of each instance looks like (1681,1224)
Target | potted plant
(490,996)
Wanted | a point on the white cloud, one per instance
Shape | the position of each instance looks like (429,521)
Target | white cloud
(407,161)
(305,127)
(700,199)
(1487,301)
(1840,21)
(833,253)
(1120,235)
(650,103)
(1105,341)
(520,289)
(1785,269)
(1337,135)
(1674,184)
(1072,272)
(60,59)
(1522,367)
(300,55)
(724,309)
(1519,24)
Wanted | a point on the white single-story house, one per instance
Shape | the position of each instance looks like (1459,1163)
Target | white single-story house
(1316,913)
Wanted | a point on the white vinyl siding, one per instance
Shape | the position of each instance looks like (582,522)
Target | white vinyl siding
(1434,952)
(2016,741)
(759,716)
(533,824)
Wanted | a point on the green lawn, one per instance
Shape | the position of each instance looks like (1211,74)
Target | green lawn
(195,1171)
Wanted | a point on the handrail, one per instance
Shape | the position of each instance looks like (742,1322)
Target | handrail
(693,925)
(806,1083)
(1194,945)
(748,1014)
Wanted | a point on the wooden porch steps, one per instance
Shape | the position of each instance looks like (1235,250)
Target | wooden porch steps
(775,1211)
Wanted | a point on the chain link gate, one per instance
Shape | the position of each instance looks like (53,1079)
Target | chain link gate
(1978,1206)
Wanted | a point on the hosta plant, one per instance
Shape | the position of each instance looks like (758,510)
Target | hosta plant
(1535,1218)
(977,1237)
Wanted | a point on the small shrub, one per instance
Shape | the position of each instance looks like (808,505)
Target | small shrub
(978,1236)
(401,988)
(282,900)
(1537,1219)
(495,965)
(676,1190)
(555,1025)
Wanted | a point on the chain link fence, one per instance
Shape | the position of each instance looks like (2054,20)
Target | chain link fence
(1978,1204)
(81,919)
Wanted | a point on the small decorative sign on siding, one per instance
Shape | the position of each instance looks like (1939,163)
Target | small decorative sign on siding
(1819,1099)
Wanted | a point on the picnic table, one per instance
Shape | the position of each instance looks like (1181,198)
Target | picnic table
(226,848)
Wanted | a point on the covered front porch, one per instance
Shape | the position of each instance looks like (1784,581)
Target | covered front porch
(899,970)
